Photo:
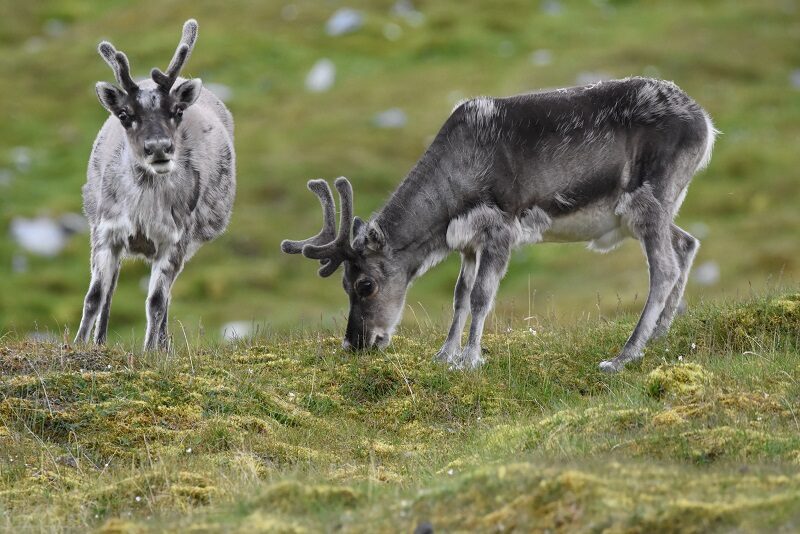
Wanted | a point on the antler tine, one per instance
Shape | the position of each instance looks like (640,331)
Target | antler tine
(118,62)
(182,53)
(125,73)
(339,249)
(328,231)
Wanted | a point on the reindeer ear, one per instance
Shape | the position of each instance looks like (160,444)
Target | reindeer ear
(188,92)
(375,239)
(358,224)
(110,96)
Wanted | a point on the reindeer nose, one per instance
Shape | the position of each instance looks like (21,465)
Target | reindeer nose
(158,147)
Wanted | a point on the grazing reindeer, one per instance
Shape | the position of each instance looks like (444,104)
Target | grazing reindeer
(160,183)
(597,163)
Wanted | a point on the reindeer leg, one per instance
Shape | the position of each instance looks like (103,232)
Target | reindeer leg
(466,278)
(101,329)
(162,276)
(104,263)
(664,274)
(492,263)
(685,246)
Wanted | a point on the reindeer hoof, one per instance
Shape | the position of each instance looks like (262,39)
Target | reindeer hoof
(611,366)
(469,359)
(445,356)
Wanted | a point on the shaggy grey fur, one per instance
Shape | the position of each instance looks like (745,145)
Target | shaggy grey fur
(161,182)
(597,164)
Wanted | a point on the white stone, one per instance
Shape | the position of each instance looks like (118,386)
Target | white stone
(541,57)
(706,274)
(794,78)
(552,7)
(22,157)
(42,236)
(237,330)
(344,20)
(406,10)
(391,118)
(321,76)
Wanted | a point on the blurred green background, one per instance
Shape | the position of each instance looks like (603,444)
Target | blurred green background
(740,60)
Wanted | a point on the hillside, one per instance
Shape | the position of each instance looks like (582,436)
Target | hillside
(291,434)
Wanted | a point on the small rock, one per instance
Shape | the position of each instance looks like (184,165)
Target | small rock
(794,79)
(391,118)
(552,7)
(588,77)
(237,330)
(541,57)
(222,91)
(424,527)
(343,21)
(55,28)
(68,460)
(321,76)
(706,274)
(406,10)
(41,236)
(22,158)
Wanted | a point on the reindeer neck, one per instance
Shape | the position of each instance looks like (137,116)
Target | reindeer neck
(415,218)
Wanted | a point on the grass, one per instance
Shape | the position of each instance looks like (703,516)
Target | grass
(288,433)
(732,57)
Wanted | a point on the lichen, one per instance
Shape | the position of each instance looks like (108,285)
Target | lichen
(685,380)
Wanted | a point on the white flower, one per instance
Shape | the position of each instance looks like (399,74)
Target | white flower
(694,346)
(189,450)
(532,331)
(138,499)
(450,471)
(680,358)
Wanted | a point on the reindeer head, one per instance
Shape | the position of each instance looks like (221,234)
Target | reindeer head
(150,112)
(375,283)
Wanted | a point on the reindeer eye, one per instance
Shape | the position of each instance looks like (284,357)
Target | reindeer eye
(178,113)
(365,287)
(123,116)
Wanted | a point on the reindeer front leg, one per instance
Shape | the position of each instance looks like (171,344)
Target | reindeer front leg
(466,278)
(492,261)
(105,267)
(162,276)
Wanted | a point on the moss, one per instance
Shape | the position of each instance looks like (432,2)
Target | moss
(749,327)
(291,496)
(687,380)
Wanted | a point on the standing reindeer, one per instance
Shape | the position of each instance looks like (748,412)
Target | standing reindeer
(161,182)
(597,163)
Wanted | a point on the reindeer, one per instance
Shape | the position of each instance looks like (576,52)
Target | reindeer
(594,164)
(160,183)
